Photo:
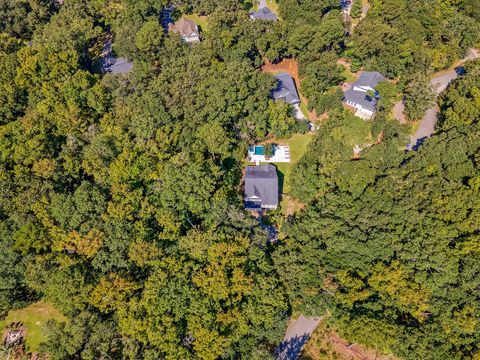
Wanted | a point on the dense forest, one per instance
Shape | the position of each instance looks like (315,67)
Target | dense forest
(389,243)
(121,201)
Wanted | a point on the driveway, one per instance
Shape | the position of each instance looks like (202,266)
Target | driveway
(296,337)
(439,83)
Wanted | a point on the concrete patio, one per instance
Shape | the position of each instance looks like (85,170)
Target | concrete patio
(281,154)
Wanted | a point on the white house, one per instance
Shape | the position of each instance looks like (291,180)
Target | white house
(359,94)
(187,29)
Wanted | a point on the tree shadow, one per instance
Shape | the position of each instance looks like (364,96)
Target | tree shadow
(291,349)
(281,180)
(419,143)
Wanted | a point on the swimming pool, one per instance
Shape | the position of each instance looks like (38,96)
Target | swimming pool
(259,150)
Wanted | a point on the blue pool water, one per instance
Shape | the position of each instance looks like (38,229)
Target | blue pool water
(259,150)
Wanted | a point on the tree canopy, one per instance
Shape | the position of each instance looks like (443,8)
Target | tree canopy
(121,194)
(389,245)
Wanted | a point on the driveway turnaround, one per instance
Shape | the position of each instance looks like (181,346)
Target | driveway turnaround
(429,121)
(296,337)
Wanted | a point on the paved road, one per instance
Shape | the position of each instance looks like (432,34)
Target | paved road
(262,4)
(296,337)
(439,84)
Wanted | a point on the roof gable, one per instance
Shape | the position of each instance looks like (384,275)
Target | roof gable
(369,79)
(185,27)
(361,98)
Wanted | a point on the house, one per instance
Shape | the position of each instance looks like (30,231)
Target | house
(361,94)
(187,29)
(286,89)
(261,187)
(112,64)
(263,14)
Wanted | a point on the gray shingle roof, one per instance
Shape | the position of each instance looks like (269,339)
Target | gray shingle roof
(263,14)
(286,89)
(262,181)
(367,79)
(361,98)
(370,79)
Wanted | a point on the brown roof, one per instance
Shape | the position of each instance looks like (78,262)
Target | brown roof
(184,27)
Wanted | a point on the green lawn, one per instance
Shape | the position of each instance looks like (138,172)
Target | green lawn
(33,318)
(201,21)
(298,146)
(304,109)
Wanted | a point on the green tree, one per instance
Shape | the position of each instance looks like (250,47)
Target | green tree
(392,278)
(13,291)
(460,103)
(356,10)
(418,96)
(148,39)
(388,95)
(20,18)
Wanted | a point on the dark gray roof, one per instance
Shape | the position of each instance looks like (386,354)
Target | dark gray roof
(286,89)
(370,79)
(263,14)
(361,98)
(366,79)
(262,181)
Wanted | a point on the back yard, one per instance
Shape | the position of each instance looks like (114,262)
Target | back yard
(33,318)
(298,146)
(201,21)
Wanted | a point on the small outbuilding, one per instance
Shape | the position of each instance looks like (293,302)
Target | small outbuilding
(261,187)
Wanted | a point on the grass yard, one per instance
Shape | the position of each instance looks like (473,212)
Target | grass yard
(304,108)
(33,318)
(298,146)
(201,21)
(350,77)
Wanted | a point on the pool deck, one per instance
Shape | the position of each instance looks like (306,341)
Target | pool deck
(281,155)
